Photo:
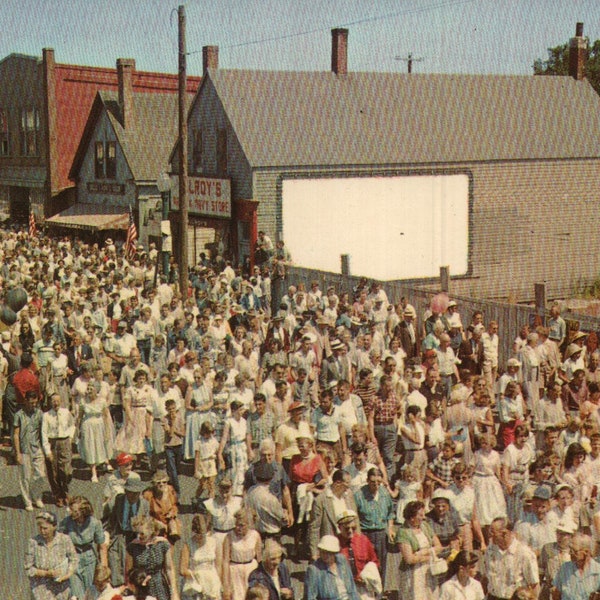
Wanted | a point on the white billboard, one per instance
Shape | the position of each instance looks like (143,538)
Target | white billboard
(396,227)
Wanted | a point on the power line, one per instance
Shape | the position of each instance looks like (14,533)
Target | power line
(349,24)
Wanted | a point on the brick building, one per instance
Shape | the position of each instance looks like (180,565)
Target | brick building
(44,107)
(497,176)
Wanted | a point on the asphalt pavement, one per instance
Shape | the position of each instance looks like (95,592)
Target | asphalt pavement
(17,525)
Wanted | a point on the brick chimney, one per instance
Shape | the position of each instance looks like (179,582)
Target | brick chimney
(125,70)
(210,58)
(577,54)
(339,51)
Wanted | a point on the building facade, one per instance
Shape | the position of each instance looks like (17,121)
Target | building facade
(496,176)
(44,107)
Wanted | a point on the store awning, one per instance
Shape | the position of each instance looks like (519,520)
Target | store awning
(91,217)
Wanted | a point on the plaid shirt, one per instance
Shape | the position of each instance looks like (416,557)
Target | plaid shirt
(442,468)
(385,410)
(261,427)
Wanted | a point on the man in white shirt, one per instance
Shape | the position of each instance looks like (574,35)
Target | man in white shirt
(490,355)
(58,429)
(508,565)
(359,467)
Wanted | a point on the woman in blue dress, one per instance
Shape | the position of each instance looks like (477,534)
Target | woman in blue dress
(87,535)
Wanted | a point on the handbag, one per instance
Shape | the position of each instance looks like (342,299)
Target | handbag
(437,566)
(174,529)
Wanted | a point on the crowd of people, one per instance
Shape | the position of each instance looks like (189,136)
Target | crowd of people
(393,448)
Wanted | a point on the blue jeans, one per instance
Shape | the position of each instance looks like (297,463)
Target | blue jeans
(386,436)
(174,456)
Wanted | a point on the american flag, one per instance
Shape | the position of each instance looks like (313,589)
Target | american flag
(32,227)
(131,236)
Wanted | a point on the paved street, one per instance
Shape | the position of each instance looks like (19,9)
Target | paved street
(17,526)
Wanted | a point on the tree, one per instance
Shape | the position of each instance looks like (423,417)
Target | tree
(558,63)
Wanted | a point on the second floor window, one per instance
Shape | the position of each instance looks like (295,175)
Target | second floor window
(222,152)
(4,140)
(105,164)
(30,129)
(111,160)
(197,150)
(99,170)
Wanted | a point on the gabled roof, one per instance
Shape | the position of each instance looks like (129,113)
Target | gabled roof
(147,142)
(317,118)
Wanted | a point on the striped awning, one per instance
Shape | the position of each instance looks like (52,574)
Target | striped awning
(91,217)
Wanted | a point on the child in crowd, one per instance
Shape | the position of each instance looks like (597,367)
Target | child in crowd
(439,473)
(408,488)
(205,467)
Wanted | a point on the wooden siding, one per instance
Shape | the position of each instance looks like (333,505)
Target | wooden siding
(531,222)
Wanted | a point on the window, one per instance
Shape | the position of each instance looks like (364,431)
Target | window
(99,160)
(111,160)
(30,127)
(222,152)
(4,145)
(106,160)
(197,150)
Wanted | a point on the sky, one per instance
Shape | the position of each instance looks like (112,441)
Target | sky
(447,36)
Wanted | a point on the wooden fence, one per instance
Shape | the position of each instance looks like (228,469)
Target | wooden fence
(510,317)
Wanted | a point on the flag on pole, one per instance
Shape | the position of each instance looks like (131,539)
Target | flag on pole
(32,227)
(131,236)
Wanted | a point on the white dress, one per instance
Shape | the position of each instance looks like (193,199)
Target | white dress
(93,442)
(489,497)
(205,583)
(238,453)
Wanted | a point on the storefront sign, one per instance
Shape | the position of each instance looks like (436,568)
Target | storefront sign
(101,187)
(207,197)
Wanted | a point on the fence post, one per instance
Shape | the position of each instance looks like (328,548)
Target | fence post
(445,279)
(345,264)
(540,301)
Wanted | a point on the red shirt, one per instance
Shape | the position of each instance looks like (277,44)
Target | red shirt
(305,472)
(363,552)
(25,381)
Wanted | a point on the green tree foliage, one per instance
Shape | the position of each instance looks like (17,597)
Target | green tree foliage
(557,63)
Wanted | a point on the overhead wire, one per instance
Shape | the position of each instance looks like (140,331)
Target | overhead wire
(288,36)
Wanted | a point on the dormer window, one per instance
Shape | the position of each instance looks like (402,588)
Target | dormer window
(106,160)
(4,140)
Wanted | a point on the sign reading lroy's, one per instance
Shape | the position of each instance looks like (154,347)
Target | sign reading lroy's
(207,197)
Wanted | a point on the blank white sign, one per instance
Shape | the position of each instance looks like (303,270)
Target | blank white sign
(392,227)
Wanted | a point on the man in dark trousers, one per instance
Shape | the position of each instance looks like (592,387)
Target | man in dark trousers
(126,506)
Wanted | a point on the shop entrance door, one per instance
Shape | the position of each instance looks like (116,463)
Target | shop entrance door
(247,230)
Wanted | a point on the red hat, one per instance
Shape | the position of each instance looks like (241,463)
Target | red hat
(123,459)
(430,354)
(296,406)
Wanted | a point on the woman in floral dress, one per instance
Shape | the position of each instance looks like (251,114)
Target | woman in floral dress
(198,404)
(199,564)
(136,426)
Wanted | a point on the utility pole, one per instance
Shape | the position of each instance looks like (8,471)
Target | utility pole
(409,60)
(183,161)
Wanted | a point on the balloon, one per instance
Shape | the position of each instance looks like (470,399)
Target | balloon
(7,315)
(16,299)
(439,303)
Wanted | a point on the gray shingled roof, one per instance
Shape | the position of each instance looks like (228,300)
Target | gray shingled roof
(316,118)
(148,142)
